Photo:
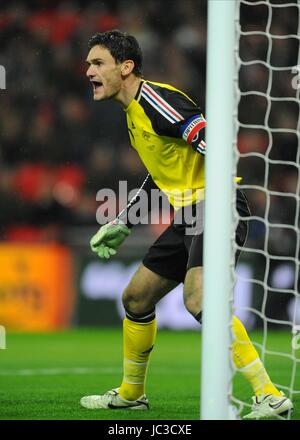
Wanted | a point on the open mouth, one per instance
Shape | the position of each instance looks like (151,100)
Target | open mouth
(96,85)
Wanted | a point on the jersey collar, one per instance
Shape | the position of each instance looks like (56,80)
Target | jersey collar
(139,91)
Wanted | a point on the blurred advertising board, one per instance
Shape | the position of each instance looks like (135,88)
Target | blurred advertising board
(36,287)
(101,283)
(51,287)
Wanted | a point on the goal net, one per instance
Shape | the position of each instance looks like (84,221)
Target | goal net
(267,156)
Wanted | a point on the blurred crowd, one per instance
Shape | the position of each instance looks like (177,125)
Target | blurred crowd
(58,147)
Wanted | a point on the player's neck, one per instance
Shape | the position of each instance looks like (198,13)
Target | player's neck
(128,90)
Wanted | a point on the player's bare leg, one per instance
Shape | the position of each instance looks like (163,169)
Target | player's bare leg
(145,289)
(244,354)
(193,290)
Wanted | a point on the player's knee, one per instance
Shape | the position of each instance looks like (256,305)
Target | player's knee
(128,298)
(135,301)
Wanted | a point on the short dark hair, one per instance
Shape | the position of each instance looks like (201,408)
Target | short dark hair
(121,46)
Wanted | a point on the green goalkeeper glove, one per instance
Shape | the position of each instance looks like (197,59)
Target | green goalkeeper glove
(109,238)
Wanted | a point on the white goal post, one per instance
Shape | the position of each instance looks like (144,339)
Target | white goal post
(215,377)
(253,114)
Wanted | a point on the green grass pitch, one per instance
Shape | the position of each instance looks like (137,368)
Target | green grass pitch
(43,376)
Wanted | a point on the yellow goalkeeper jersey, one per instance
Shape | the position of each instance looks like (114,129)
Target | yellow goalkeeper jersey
(167,130)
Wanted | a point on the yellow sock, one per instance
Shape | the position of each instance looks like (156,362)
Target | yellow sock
(247,360)
(138,341)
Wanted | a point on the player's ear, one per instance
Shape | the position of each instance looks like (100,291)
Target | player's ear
(127,67)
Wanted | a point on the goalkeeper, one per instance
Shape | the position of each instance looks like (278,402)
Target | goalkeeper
(168,130)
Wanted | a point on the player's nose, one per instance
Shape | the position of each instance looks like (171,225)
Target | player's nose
(90,72)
